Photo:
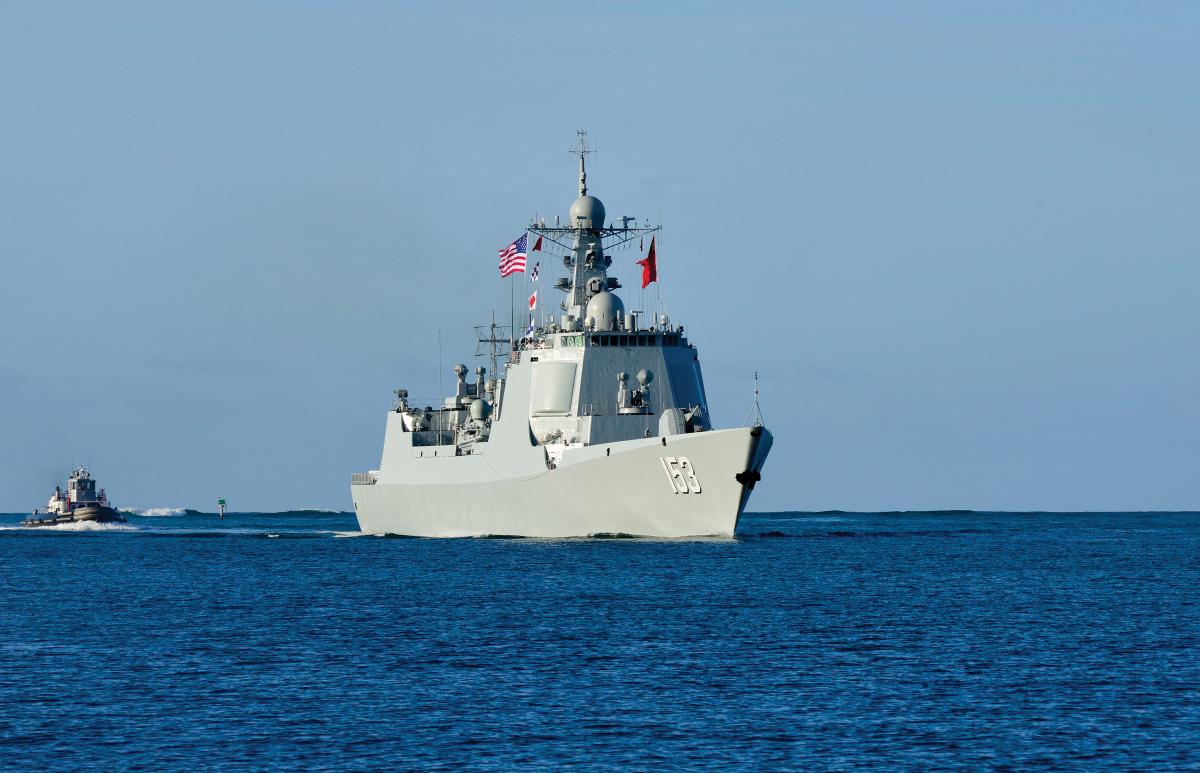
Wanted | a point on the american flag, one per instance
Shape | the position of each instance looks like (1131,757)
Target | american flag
(512,257)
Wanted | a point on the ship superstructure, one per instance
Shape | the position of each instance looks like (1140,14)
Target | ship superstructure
(599,424)
(81,502)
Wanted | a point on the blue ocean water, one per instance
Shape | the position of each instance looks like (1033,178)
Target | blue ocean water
(812,641)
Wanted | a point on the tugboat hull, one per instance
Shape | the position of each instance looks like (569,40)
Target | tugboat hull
(80,515)
(98,515)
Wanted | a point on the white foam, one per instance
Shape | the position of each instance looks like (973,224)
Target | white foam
(154,511)
(88,526)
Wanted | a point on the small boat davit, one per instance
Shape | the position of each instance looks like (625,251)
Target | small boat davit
(80,503)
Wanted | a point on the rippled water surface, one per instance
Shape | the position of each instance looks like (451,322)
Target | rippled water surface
(817,641)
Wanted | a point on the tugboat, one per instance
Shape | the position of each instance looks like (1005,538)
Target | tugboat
(78,504)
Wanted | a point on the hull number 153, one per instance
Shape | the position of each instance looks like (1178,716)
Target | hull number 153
(681,474)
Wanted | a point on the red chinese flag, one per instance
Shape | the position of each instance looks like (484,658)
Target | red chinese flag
(538,244)
(649,267)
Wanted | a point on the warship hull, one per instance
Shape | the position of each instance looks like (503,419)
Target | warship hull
(678,486)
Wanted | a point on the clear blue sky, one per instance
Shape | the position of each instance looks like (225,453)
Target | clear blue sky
(959,243)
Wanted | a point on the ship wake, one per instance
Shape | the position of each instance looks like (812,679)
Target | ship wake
(86,526)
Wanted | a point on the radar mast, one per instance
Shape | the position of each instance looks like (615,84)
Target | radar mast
(587,238)
(582,150)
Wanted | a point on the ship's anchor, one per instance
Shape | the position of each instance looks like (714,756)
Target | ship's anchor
(748,478)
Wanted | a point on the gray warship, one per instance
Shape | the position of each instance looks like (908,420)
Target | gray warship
(599,424)
(80,503)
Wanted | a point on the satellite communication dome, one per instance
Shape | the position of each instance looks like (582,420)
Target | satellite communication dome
(605,307)
(644,377)
(588,212)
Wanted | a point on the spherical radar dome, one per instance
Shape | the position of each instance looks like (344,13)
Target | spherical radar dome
(480,409)
(587,211)
(605,307)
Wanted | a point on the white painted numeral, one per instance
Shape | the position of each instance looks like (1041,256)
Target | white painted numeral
(681,474)
(690,472)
